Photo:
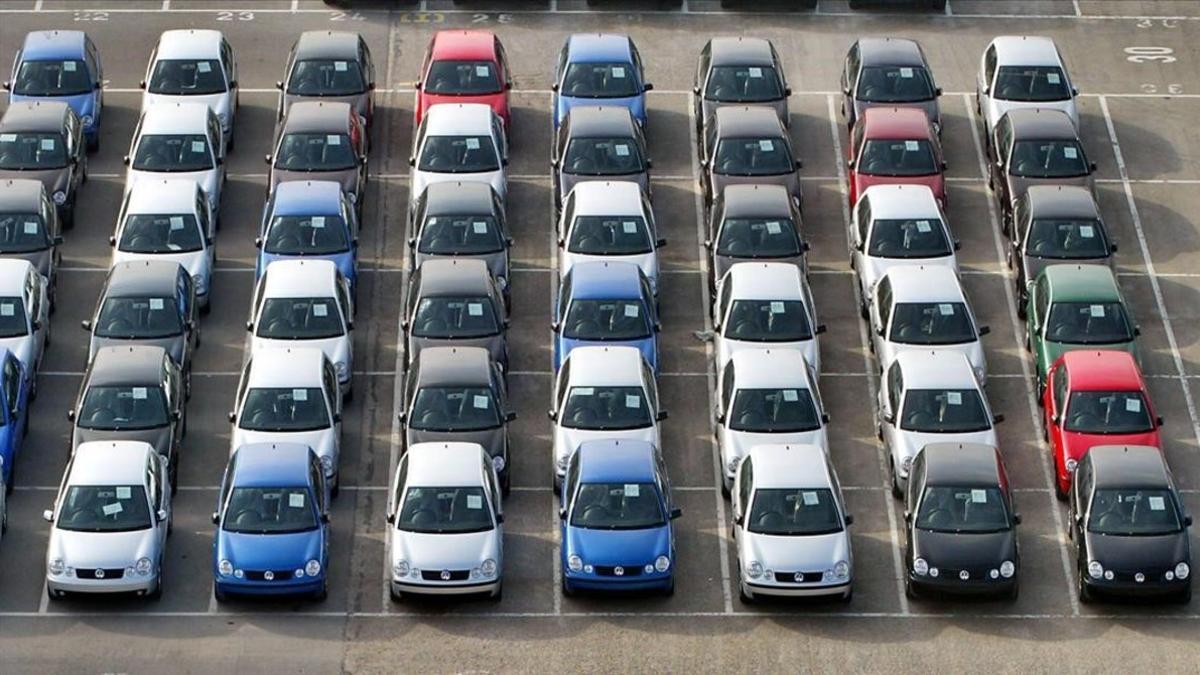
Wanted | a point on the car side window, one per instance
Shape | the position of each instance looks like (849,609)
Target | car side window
(853,60)
(35,299)
(314,479)
(883,299)
(561,69)
(93,60)
(243,382)
(1006,139)
(572,479)
(564,296)
(726,296)
(727,386)
(856,139)
(651,386)
(329,379)
(895,386)
(344,303)
(745,484)
(702,68)
(12,385)
(710,140)
(637,63)
(916,481)
(152,480)
(863,212)
(227,57)
(414,285)
(401,479)
(1060,387)
(1021,217)
(568,213)
(564,379)
(989,65)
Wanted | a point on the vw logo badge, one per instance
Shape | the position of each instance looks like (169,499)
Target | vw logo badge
(99,574)
(269,575)
(619,571)
(445,575)
(1139,577)
(798,576)
(964,575)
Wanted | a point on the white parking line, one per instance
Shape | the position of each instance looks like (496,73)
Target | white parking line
(556,564)
(824,614)
(1074,5)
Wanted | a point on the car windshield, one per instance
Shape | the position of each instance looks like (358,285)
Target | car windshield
(12,318)
(460,235)
(774,411)
(300,319)
(909,238)
(326,77)
(890,157)
(605,320)
(974,510)
(610,235)
(944,411)
(462,78)
(606,409)
(758,238)
(1133,512)
(32,151)
(1048,159)
(139,318)
(187,77)
(1067,239)
(1108,412)
(1088,323)
(600,80)
(454,409)
(602,157)
(52,78)
(617,506)
(455,317)
(22,233)
(459,154)
(284,409)
(894,84)
(173,153)
(160,233)
(932,323)
(753,157)
(269,510)
(315,152)
(743,84)
(104,508)
(445,510)
(123,408)
(768,321)
(791,512)
(306,235)
(1031,83)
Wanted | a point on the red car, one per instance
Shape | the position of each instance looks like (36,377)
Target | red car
(892,146)
(1095,398)
(464,66)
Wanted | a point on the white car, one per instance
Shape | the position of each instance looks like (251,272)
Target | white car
(290,396)
(1022,71)
(24,314)
(110,521)
(459,142)
(790,525)
(445,522)
(918,308)
(930,396)
(897,225)
(305,303)
(603,393)
(765,305)
(766,396)
(609,220)
(195,66)
(168,219)
(179,140)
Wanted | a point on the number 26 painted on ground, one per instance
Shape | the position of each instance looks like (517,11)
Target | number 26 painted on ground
(1149,54)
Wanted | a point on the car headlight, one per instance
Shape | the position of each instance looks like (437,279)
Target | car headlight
(488,568)
(732,466)
(327,464)
(143,566)
(60,197)
(906,466)
(662,563)
(1095,569)
(223,118)
(561,463)
(353,197)
(841,570)
(653,284)
(400,569)
(937,127)
(980,375)
(502,282)
(498,463)
(1071,464)
(225,568)
(312,568)
(342,369)
(1007,569)
(1182,571)
(574,563)
(57,566)
(754,570)
(921,567)
(199,281)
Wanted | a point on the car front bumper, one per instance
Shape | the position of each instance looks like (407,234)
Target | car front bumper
(137,584)
(440,588)
(231,586)
(642,582)
(1132,589)
(952,585)
(797,591)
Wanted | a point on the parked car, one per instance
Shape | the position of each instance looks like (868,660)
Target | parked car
(307,220)
(24,315)
(321,141)
(606,303)
(455,303)
(459,142)
(179,140)
(462,220)
(598,143)
(753,222)
(739,71)
(194,65)
(765,305)
(14,418)
(888,72)
(29,229)
(61,65)
(327,65)
(896,146)
(747,145)
(464,66)
(147,302)
(599,68)
(43,141)
(612,222)
(1053,224)
(1022,71)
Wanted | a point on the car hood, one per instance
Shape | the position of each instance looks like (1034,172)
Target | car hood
(195,262)
(445,551)
(493,343)
(337,349)
(1139,553)
(423,179)
(324,442)
(174,345)
(997,108)
(497,263)
(1075,445)
(636,105)
(964,551)
(726,349)
(567,439)
(218,103)
(492,440)
(270,551)
(930,108)
(722,263)
(647,346)
(102,549)
(739,443)
(811,553)
(55,180)
(618,547)
(935,182)
(911,442)
(159,437)
(347,178)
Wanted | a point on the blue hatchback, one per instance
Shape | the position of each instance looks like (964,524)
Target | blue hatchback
(600,69)
(14,399)
(272,523)
(616,514)
(605,304)
(309,219)
(61,65)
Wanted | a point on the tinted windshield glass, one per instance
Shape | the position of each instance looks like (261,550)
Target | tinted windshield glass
(1133,512)
(617,506)
(1088,323)
(144,233)
(284,409)
(315,152)
(1048,159)
(12,318)
(123,407)
(272,510)
(459,317)
(307,235)
(758,238)
(609,235)
(922,238)
(300,319)
(325,77)
(952,509)
(743,84)
(897,158)
(768,321)
(454,409)
(52,78)
(1067,239)
(774,411)
(25,151)
(602,157)
(460,235)
(1107,412)
(792,512)
(599,80)
(448,510)
(1031,83)
(605,408)
(22,233)
(173,153)
(459,154)
(108,508)
(134,318)
(186,77)
(932,323)
(753,157)
(607,320)
(894,84)
(462,78)
(944,411)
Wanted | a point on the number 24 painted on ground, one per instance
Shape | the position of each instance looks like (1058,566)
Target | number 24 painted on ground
(1148,54)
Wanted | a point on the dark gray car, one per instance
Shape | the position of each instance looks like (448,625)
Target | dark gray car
(132,394)
(43,141)
(747,145)
(462,220)
(739,71)
(319,140)
(330,66)
(29,228)
(599,143)
(455,303)
(458,394)
(1056,224)
(888,72)
(753,222)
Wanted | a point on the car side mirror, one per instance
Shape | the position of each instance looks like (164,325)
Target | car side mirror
(98,86)
(703,164)
(232,416)
(142,84)
(657,326)
(404,325)
(562,513)
(848,519)
(71,415)
(944,165)
(1112,248)
(125,160)
(908,516)
(7,85)
(552,414)
(402,416)
(1074,91)
(676,513)
(649,163)
(662,415)
(986,91)
(999,164)
(391,517)
(554,163)
(890,418)
(1137,330)
(787,91)
(661,242)
(879,331)
(720,418)
(696,91)
(648,87)
(279,84)
(510,416)
(412,161)
(1092,166)
(984,330)
(258,242)
(412,242)
(997,419)
(850,163)
(825,418)
(250,326)
(499,518)
(267,158)
(325,517)
(845,91)
(957,245)
(176,415)
(739,519)
(112,241)
(57,240)
(337,418)
(554,326)
(233,84)
(216,517)
(821,328)
(1016,519)
(937,91)
(48,514)
(1187,521)
(799,164)
(1159,420)
(162,515)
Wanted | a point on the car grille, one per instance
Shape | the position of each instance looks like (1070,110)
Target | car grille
(805,577)
(611,570)
(279,575)
(104,573)
(453,575)
(1150,575)
(973,573)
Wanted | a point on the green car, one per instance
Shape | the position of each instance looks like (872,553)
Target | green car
(1075,307)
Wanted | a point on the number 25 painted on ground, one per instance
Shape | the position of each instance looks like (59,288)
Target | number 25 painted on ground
(1149,54)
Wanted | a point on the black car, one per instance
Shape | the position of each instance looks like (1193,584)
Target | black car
(1129,526)
(960,528)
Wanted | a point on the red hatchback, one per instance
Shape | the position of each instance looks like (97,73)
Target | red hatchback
(891,146)
(464,66)
(1095,398)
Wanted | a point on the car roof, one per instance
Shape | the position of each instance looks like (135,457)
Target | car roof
(33,116)
(896,123)
(22,195)
(136,277)
(13,273)
(598,47)
(307,197)
(765,281)
(317,117)
(605,280)
(189,43)
(100,462)
(1102,370)
(463,45)
(170,116)
(889,51)
(599,120)
(921,283)
(1081,283)
(612,461)
(770,369)
(271,465)
(902,202)
(1041,124)
(441,366)
(459,198)
(1025,50)
(452,119)
(785,465)
(127,364)
(300,279)
(286,367)
(163,196)
(1061,201)
(961,464)
(936,369)
(1125,466)
(608,198)
(467,276)
(327,44)
(47,45)
(744,121)
(445,465)
(756,200)
(741,51)
(613,366)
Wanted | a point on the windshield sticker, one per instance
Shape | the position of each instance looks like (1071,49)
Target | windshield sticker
(629,226)
(139,393)
(756,72)
(203,67)
(7,309)
(911,146)
(300,395)
(791,395)
(923,226)
(1158,504)
(124,492)
(176,223)
(475,308)
(47,144)
(1087,231)
(1097,311)
(197,146)
(1133,405)
(474,502)
(631,311)
(479,227)
(70,66)
(946,309)
(633,401)
(480,402)
(296,500)
(618,72)
(583,391)
(472,143)
(112,509)
(979,496)
(954,398)
(906,73)
(481,71)
(320,309)
(622,150)
(766,145)
(333,139)
(31,227)
(1053,78)
(317,222)
(810,498)
(8,138)
(777,308)
(773,227)
(1070,153)
(632,489)
(340,66)
(156,303)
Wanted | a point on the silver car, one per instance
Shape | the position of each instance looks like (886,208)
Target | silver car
(1054,224)
(459,142)
(44,141)
(1022,71)
(455,303)
(329,65)
(739,71)
(29,228)
(599,143)
(24,315)
(745,145)
(888,72)
(461,220)
(179,140)
(754,222)
(194,65)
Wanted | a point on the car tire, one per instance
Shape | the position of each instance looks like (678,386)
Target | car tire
(321,595)
(93,144)
(12,482)
(743,596)
(1185,596)
(567,591)
(54,597)
(219,595)
(1085,594)
(726,486)
(670,589)
(156,594)
(910,591)
(1058,491)
(1013,593)
(895,480)
(396,595)
(506,484)
(1021,313)
(497,595)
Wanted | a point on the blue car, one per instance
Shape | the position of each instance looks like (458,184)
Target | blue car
(14,399)
(309,219)
(61,65)
(616,514)
(600,69)
(606,303)
(272,523)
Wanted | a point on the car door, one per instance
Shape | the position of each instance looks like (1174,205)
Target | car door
(16,399)
(173,390)
(983,85)
(560,389)
(890,399)
(38,307)
(1059,388)
(849,78)
(741,501)
(230,67)
(96,70)
(723,405)
(880,313)
(396,497)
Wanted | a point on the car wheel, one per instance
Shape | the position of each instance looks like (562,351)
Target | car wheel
(746,598)
(862,307)
(1185,596)
(93,144)
(498,594)
(173,473)
(8,487)
(567,591)
(506,484)
(670,589)
(337,486)
(1021,313)
(1085,593)
(847,596)
(396,595)
(726,486)
(156,594)
(1013,593)
(1058,491)
(896,492)
(322,594)
(910,591)
(349,395)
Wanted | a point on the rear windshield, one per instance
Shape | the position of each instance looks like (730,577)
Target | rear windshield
(617,506)
(1134,512)
(187,77)
(789,512)
(1031,83)
(932,323)
(898,158)
(139,318)
(603,157)
(753,157)
(606,409)
(774,411)
(316,152)
(455,317)
(1048,159)
(894,84)
(1088,323)
(123,408)
(758,238)
(269,510)
(160,233)
(454,409)
(307,235)
(13,322)
(52,78)
(32,151)
(300,319)
(460,235)
(1067,239)
(768,321)
(445,510)
(462,78)
(944,411)
(919,238)
(459,154)
(326,77)
(108,508)
(968,509)
(600,80)
(284,409)
(743,84)
(1108,412)
(604,320)
(173,153)
(22,233)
